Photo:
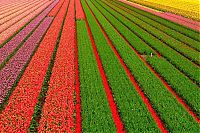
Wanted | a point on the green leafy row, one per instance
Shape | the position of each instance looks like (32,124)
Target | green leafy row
(133,111)
(182,63)
(177,27)
(95,111)
(184,49)
(134,40)
(175,34)
(179,82)
(173,114)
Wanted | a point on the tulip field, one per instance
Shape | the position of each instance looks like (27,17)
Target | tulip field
(98,66)
(187,8)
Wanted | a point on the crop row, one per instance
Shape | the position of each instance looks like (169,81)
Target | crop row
(182,63)
(43,92)
(24,97)
(10,48)
(166,39)
(180,37)
(8,7)
(167,106)
(96,114)
(10,72)
(177,27)
(13,11)
(111,101)
(179,82)
(14,26)
(11,16)
(182,18)
(79,10)
(194,105)
(58,110)
(18,17)
(184,8)
(121,84)
(194,27)
(56,9)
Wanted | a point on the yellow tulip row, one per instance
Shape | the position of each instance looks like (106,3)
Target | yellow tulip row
(187,8)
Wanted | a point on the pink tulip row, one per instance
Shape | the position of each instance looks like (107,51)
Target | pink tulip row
(173,18)
(183,18)
(16,116)
(13,68)
(16,15)
(19,24)
(9,4)
(10,12)
(195,26)
(4,10)
(21,16)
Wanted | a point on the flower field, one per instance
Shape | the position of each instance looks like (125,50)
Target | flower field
(97,66)
(188,8)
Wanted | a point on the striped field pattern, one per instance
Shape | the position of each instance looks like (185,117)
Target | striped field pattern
(97,66)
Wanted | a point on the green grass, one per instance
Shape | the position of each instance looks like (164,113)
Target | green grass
(175,117)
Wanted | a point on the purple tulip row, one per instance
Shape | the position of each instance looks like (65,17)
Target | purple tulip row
(12,69)
(17,40)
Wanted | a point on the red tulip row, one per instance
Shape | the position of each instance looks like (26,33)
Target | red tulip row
(79,10)
(58,110)
(17,114)
(56,9)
